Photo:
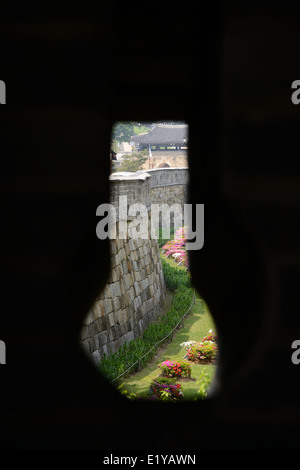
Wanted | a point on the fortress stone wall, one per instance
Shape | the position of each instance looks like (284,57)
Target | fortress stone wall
(135,291)
(173,158)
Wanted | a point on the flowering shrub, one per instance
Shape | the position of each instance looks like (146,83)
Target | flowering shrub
(202,350)
(176,248)
(166,391)
(175,369)
(210,337)
(187,344)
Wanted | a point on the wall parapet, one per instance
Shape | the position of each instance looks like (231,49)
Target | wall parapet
(168,176)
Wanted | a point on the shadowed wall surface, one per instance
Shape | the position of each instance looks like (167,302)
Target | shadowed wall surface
(63,95)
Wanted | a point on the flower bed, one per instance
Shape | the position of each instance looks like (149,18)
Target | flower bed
(211,336)
(166,391)
(204,351)
(175,369)
(175,249)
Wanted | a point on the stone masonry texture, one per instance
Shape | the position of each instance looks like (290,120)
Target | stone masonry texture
(135,291)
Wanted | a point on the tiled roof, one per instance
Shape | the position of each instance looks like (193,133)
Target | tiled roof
(164,134)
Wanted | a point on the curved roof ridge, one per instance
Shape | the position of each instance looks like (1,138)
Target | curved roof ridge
(165,134)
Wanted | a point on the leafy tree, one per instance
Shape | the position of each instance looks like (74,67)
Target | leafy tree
(133,162)
(123,131)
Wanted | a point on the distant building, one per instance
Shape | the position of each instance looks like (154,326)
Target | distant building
(163,136)
(167,145)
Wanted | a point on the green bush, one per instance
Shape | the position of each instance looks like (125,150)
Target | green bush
(205,382)
(178,282)
(115,364)
(175,277)
(165,380)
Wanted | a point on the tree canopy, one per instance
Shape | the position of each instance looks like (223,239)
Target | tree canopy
(133,162)
(123,131)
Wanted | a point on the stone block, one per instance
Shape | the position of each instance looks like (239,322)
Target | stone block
(131,323)
(105,293)
(84,334)
(129,267)
(86,347)
(96,342)
(135,265)
(102,338)
(141,252)
(150,304)
(125,315)
(115,289)
(92,344)
(148,293)
(120,342)
(142,272)
(116,303)
(117,332)
(151,288)
(97,310)
(135,303)
(135,332)
(93,328)
(111,347)
(116,317)
(129,336)
(106,323)
(110,335)
(143,306)
(111,318)
(89,318)
(130,310)
(124,266)
(131,245)
(100,324)
(131,294)
(113,247)
(96,357)
(136,288)
(123,328)
(114,275)
(126,283)
(108,307)
(127,249)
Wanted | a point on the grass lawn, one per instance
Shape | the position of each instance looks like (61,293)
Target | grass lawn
(196,326)
(139,129)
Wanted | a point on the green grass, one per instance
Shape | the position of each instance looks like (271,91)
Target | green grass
(139,129)
(173,263)
(196,326)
